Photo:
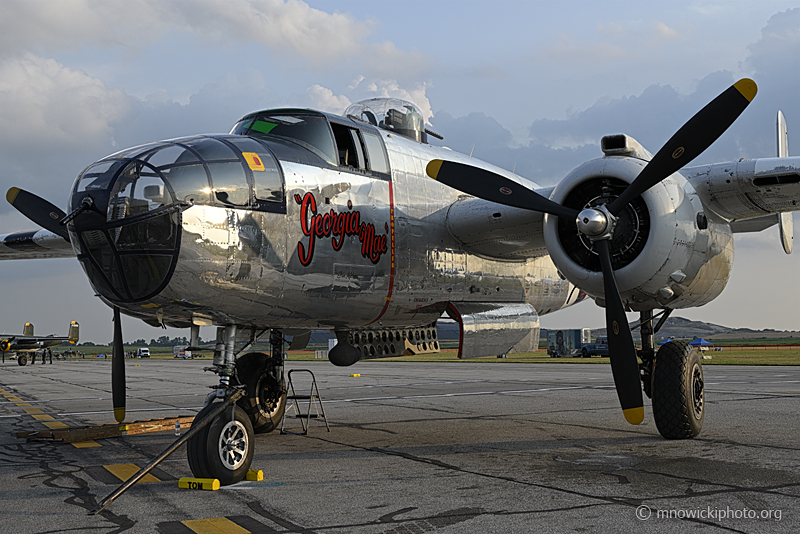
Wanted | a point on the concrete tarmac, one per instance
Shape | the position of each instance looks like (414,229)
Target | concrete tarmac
(413,448)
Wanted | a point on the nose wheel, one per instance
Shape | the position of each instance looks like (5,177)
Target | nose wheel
(224,448)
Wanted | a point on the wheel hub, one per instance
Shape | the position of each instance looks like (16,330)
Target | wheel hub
(697,391)
(233,444)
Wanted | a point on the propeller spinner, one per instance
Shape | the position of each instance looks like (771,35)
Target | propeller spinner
(598,223)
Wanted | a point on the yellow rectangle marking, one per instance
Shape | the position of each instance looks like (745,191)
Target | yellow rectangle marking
(198,483)
(126,471)
(54,425)
(86,444)
(43,417)
(15,399)
(23,404)
(33,410)
(214,525)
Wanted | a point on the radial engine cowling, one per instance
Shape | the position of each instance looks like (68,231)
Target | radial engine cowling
(666,250)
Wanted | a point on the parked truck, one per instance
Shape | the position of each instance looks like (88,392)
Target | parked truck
(567,342)
(599,347)
(181,352)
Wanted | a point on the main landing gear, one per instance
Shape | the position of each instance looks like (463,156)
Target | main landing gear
(673,379)
(224,448)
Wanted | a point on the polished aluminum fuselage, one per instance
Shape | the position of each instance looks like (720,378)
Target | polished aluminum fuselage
(350,251)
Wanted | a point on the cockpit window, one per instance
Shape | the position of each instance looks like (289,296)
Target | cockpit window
(308,131)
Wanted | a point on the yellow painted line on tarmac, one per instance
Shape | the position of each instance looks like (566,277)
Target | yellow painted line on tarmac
(214,525)
(23,404)
(126,471)
(85,444)
(15,399)
(43,417)
(54,425)
(32,410)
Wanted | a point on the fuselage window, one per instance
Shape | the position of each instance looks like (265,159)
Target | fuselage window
(266,175)
(349,147)
(98,176)
(190,183)
(210,149)
(138,190)
(230,183)
(376,155)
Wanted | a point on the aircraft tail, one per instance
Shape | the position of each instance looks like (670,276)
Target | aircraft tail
(74,328)
(27,330)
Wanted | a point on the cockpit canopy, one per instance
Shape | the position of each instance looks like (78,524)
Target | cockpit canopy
(399,116)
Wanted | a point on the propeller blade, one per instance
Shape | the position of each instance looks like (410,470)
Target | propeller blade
(118,370)
(38,210)
(493,187)
(621,350)
(691,140)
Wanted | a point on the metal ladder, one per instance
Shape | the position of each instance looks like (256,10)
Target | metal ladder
(314,401)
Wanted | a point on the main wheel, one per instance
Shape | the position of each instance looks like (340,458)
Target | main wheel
(224,448)
(678,393)
(22,360)
(265,402)
(585,353)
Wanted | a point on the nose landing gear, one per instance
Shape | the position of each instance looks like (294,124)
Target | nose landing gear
(224,449)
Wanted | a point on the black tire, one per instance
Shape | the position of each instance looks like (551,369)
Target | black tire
(265,401)
(224,448)
(678,393)
(22,360)
(585,353)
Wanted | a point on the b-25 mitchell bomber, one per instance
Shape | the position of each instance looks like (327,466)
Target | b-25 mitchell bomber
(28,342)
(299,220)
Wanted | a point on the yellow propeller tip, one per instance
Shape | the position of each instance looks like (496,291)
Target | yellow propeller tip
(119,414)
(11,195)
(433,168)
(747,88)
(634,415)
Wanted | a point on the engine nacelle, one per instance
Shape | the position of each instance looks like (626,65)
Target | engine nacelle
(667,250)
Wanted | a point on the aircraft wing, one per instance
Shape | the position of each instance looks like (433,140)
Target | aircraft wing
(34,244)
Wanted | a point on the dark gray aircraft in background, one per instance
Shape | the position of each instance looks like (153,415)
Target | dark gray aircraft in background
(300,220)
(28,342)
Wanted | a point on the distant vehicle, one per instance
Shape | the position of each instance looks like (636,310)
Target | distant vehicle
(181,352)
(567,342)
(143,353)
(599,347)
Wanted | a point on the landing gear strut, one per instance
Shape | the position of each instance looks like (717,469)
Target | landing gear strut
(673,379)
(265,387)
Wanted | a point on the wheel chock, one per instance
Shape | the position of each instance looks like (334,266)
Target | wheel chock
(199,483)
(254,474)
(355,376)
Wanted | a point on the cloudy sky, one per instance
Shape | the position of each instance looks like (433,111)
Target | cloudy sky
(525,85)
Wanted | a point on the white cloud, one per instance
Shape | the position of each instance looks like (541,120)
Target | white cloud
(322,98)
(49,25)
(45,102)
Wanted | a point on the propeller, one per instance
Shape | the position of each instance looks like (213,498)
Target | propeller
(491,186)
(118,370)
(38,210)
(598,222)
